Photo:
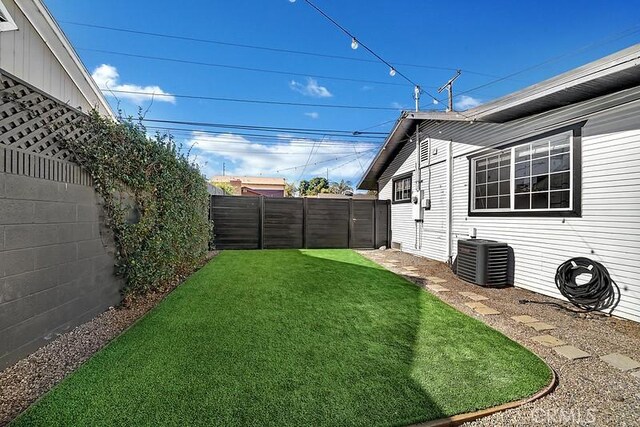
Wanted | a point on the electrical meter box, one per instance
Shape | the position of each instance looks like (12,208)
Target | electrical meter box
(416,205)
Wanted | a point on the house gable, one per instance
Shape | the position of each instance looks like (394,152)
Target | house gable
(40,54)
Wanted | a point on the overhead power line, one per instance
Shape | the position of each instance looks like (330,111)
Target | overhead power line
(362,154)
(321,162)
(240,68)
(304,131)
(250,101)
(609,39)
(307,163)
(355,42)
(263,48)
(267,153)
(262,139)
(377,125)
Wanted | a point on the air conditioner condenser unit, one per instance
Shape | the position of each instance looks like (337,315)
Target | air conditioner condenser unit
(483,262)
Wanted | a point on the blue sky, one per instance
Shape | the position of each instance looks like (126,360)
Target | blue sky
(487,40)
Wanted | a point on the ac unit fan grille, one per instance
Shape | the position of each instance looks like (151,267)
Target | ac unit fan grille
(467,268)
(497,265)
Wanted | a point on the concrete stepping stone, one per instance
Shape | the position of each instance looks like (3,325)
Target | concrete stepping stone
(480,308)
(474,305)
(473,296)
(620,361)
(436,279)
(525,319)
(541,326)
(410,268)
(571,352)
(411,274)
(548,341)
(437,288)
(393,261)
(487,311)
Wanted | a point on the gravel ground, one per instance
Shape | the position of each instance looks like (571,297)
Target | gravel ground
(590,392)
(23,383)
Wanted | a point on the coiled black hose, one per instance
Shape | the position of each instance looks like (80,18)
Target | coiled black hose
(599,293)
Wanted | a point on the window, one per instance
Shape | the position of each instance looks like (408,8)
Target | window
(402,189)
(6,22)
(536,176)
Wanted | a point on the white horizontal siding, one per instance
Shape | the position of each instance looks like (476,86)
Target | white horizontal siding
(429,237)
(608,230)
(433,230)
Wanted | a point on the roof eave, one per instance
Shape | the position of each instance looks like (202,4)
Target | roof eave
(394,139)
(42,9)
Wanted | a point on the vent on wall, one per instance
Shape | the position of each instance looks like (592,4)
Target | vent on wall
(483,262)
(424,152)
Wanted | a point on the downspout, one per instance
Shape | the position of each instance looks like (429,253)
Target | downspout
(449,199)
(418,181)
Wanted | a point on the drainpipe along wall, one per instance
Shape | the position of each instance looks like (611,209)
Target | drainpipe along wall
(449,200)
(418,187)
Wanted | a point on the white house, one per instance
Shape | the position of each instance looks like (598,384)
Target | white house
(553,170)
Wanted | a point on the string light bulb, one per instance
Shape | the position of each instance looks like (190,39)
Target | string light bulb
(392,72)
(354,43)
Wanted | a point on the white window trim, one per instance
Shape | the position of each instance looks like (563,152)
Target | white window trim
(512,193)
(10,25)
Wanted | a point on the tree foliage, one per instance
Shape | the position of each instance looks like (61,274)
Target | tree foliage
(224,186)
(341,187)
(313,186)
(169,234)
(290,189)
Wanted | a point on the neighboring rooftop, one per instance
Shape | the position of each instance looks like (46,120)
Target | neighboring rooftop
(248,180)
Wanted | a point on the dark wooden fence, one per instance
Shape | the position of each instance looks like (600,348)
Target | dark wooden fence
(296,223)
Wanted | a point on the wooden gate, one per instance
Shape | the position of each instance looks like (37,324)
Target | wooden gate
(296,223)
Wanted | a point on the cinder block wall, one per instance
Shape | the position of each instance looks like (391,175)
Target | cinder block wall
(56,262)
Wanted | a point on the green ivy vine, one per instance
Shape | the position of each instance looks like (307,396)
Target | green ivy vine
(155,200)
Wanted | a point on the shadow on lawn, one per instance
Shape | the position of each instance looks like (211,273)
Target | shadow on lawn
(378,321)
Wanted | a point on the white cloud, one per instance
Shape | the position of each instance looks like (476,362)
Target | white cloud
(107,77)
(314,115)
(366,88)
(465,102)
(279,157)
(397,105)
(312,88)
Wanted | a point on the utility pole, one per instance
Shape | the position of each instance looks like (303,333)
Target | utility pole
(223,168)
(416,96)
(449,86)
(327,174)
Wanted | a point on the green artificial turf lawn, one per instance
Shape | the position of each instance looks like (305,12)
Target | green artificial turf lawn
(288,337)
